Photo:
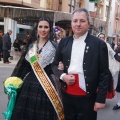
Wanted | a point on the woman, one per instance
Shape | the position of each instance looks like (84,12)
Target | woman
(111,53)
(111,59)
(33,102)
(117,57)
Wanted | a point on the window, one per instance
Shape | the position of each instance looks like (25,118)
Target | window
(118,9)
(106,11)
(60,5)
(71,4)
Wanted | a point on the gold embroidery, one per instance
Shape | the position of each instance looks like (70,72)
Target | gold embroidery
(49,89)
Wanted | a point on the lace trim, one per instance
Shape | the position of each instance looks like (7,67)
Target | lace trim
(47,54)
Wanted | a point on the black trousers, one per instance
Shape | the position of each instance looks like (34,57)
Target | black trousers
(79,107)
(118,83)
(6,55)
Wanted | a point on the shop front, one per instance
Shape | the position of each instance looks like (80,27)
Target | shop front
(22,20)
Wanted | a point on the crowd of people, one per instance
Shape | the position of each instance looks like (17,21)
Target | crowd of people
(81,63)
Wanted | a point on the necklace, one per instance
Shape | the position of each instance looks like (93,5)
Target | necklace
(40,50)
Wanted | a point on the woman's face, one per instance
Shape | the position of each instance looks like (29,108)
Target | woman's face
(43,29)
(102,37)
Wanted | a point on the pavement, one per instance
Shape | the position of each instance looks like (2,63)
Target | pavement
(16,56)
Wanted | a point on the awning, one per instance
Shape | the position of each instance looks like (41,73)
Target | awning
(22,12)
(97,22)
(31,14)
(59,16)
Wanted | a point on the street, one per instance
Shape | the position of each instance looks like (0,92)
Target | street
(5,71)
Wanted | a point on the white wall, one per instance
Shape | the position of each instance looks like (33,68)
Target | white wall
(111,21)
(91,6)
(12,25)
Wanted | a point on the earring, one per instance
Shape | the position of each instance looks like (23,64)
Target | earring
(37,34)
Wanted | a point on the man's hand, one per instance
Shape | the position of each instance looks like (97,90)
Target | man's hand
(69,79)
(98,106)
(61,66)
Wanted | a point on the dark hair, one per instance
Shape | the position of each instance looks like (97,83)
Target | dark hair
(49,21)
(100,34)
(33,37)
(51,36)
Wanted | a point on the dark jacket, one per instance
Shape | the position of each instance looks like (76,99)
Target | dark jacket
(1,44)
(7,42)
(95,64)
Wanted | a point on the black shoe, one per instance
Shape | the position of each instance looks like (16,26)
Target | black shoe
(116,107)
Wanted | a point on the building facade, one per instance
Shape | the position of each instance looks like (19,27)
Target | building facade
(22,14)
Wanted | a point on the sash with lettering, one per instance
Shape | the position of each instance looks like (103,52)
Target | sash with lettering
(46,84)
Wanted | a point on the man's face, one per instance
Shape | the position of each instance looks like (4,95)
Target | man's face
(10,33)
(79,23)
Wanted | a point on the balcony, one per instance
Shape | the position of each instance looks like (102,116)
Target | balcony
(92,14)
(119,31)
(116,31)
(117,16)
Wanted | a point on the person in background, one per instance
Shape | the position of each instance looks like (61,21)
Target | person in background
(111,53)
(58,34)
(114,43)
(7,47)
(85,75)
(117,57)
(16,45)
(34,100)
(1,45)
(24,43)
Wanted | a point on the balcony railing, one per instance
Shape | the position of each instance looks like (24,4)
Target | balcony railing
(117,15)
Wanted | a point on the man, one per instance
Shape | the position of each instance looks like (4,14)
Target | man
(7,46)
(1,44)
(85,74)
